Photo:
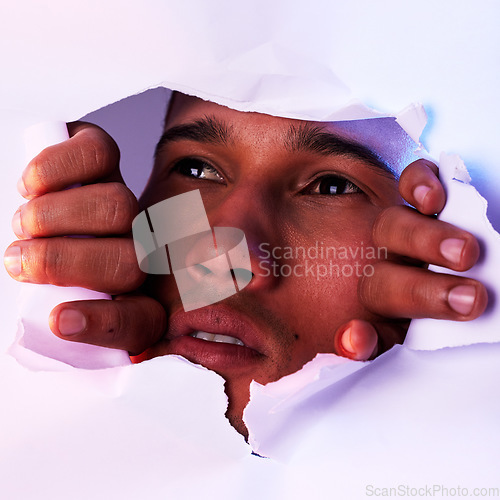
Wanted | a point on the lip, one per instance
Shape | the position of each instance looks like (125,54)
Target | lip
(218,319)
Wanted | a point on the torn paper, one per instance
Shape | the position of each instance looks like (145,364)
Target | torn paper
(133,431)
(413,418)
(385,416)
(274,406)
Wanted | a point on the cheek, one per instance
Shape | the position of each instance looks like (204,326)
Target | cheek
(161,186)
(320,295)
(340,249)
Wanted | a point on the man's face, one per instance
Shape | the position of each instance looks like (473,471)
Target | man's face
(291,187)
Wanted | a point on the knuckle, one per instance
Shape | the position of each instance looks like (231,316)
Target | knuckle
(122,270)
(102,151)
(369,287)
(401,227)
(382,225)
(35,218)
(419,294)
(87,155)
(393,292)
(120,207)
(125,324)
(408,236)
(93,154)
(113,323)
(43,169)
(55,262)
(422,295)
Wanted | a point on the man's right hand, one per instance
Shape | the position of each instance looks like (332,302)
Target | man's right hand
(402,288)
(102,207)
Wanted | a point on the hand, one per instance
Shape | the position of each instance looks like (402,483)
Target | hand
(102,207)
(401,287)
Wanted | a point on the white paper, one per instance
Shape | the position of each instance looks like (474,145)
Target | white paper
(413,419)
(133,431)
(273,406)
(417,411)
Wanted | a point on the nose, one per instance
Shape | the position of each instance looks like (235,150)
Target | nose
(209,263)
(210,266)
(253,212)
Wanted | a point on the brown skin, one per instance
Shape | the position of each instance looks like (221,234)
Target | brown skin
(255,174)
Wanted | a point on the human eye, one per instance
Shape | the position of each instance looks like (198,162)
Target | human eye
(198,169)
(332,185)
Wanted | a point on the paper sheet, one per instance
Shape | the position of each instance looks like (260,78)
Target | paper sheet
(156,430)
(417,411)
(410,419)
(133,431)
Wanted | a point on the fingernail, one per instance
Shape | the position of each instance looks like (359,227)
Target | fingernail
(451,249)
(71,322)
(346,341)
(21,188)
(12,260)
(462,298)
(17,226)
(358,345)
(420,193)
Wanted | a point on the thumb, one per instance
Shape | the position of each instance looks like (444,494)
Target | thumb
(357,340)
(130,322)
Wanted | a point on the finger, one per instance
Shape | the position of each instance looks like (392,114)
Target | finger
(397,291)
(419,185)
(132,323)
(104,264)
(97,209)
(356,340)
(89,155)
(403,231)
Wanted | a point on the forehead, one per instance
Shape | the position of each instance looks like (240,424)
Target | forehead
(185,109)
(383,137)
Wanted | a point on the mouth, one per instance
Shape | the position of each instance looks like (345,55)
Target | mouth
(216,337)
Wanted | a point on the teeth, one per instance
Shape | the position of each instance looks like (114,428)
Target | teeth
(214,337)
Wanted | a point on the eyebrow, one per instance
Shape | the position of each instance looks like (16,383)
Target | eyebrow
(208,130)
(310,138)
(303,138)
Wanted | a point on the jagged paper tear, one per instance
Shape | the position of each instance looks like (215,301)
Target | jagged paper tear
(409,417)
